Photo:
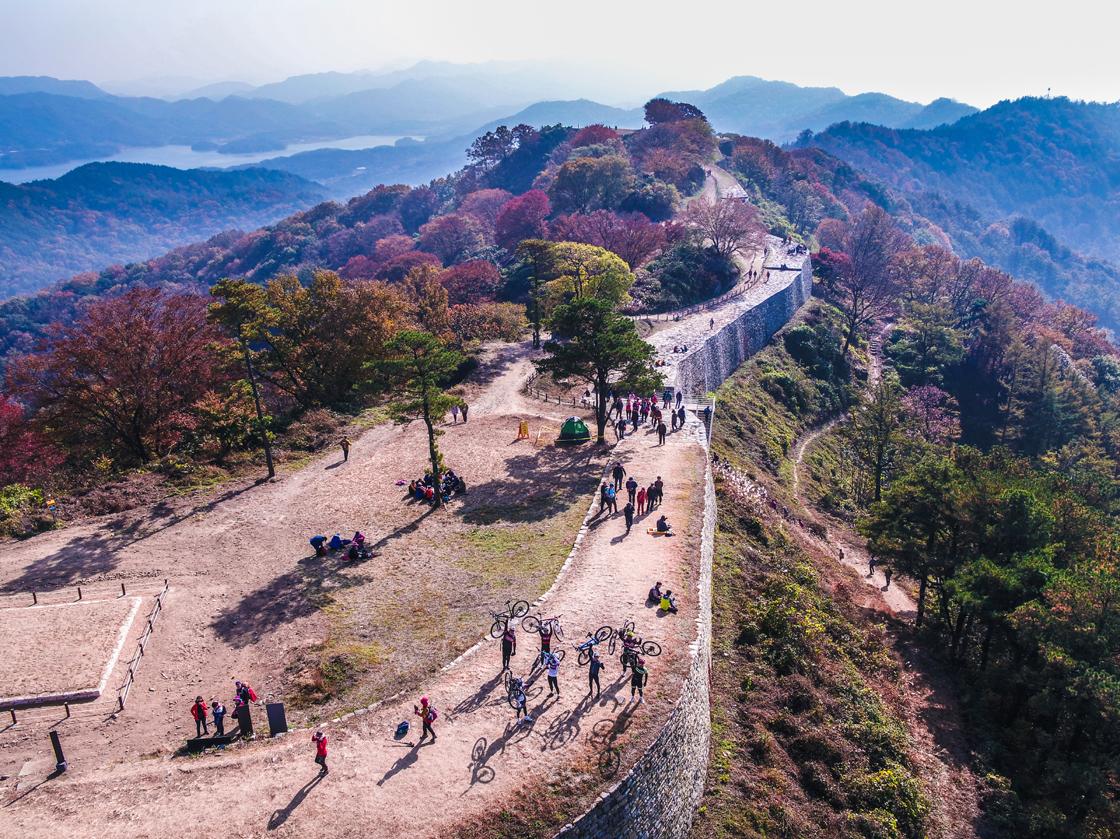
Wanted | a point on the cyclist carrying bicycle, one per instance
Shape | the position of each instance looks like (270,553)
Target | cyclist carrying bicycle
(545,631)
(509,645)
(630,644)
(520,700)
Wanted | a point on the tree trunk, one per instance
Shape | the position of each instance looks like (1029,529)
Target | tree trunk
(921,601)
(260,413)
(963,618)
(601,411)
(433,453)
(986,645)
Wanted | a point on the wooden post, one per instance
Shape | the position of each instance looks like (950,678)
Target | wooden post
(123,592)
(79,592)
(34,598)
(13,712)
(67,710)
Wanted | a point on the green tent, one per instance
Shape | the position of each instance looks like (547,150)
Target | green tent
(574,430)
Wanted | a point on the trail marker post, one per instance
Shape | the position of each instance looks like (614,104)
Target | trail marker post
(59,759)
(523,430)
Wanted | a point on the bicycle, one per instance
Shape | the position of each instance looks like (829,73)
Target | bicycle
(534,623)
(540,660)
(603,633)
(515,689)
(651,648)
(514,609)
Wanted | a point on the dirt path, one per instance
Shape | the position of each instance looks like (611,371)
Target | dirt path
(379,786)
(931,709)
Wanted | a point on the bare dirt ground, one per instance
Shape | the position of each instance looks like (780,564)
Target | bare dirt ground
(248,601)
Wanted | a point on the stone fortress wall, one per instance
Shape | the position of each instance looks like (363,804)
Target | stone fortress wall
(660,795)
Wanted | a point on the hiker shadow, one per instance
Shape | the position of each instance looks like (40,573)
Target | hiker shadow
(481,697)
(536,486)
(618,539)
(405,761)
(604,737)
(334,465)
(280,816)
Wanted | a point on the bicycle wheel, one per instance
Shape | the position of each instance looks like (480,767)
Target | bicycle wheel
(530,624)
(611,645)
(603,633)
(511,698)
(584,657)
(520,608)
(498,629)
(627,626)
(559,655)
(558,629)
(507,682)
(651,648)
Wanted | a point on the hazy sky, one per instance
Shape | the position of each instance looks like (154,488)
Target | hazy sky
(977,51)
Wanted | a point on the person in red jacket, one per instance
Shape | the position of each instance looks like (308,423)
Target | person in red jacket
(320,741)
(198,711)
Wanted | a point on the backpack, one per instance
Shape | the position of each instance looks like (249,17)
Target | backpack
(434,713)
(402,729)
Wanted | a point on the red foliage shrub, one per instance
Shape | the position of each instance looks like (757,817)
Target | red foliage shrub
(397,268)
(522,218)
(471,282)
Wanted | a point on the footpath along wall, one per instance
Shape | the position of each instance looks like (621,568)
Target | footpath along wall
(660,795)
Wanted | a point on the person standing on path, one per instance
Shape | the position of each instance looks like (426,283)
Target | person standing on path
(219,712)
(593,668)
(638,679)
(345,443)
(520,701)
(659,490)
(641,501)
(198,711)
(888,573)
(618,473)
(428,715)
(553,672)
(320,741)
(871,567)
(509,645)
(661,429)
(464,412)
(628,512)
(604,501)
(454,414)
(631,489)
(680,396)
(680,417)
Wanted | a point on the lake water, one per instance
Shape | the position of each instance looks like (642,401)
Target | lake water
(183,157)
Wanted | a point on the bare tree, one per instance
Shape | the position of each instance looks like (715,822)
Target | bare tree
(729,224)
(866,291)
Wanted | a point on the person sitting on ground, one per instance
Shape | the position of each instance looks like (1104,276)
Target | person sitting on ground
(663,526)
(337,542)
(359,539)
(429,493)
(655,593)
(668,603)
(352,554)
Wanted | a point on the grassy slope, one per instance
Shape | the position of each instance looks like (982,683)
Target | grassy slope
(809,735)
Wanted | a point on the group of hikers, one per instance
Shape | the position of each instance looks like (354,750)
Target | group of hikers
(635,412)
(353,549)
(216,711)
(640,500)
(449,484)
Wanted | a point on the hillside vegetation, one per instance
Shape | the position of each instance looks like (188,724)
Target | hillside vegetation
(1054,160)
(125,212)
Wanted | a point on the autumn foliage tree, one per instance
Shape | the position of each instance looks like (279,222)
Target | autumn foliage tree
(125,378)
(26,457)
(729,225)
(522,218)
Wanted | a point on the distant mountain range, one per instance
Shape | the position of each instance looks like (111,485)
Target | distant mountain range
(47,121)
(1055,161)
(104,213)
